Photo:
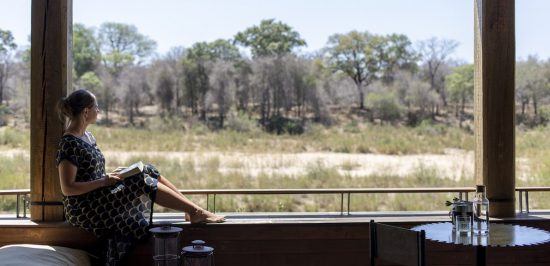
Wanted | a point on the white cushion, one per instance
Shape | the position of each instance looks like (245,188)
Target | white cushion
(30,255)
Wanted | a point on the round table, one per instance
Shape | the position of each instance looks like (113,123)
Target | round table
(500,235)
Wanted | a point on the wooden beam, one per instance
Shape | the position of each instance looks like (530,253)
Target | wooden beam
(494,103)
(51,66)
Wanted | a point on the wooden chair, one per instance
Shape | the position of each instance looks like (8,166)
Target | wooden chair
(397,245)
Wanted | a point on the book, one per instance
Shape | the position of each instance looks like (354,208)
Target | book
(131,170)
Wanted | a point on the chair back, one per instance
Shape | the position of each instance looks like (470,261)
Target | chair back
(397,245)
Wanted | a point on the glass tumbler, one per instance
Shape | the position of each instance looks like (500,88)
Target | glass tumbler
(463,224)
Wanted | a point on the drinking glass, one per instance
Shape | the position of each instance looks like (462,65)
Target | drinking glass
(463,224)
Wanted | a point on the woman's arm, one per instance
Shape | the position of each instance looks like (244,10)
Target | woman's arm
(69,187)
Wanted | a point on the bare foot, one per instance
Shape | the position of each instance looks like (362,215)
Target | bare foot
(204,216)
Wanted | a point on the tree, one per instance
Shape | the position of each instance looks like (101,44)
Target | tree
(197,63)
(7,46)
(221,82)
(365,57)
(121,46)
(133,87)
(415,94)
(165,91)
(174,59)
(243,84)
(86,53)
(461,87)
(435,53)
(270,38)
(397,55)
(531,83)
(90,81)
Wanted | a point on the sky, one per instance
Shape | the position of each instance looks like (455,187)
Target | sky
(183,22)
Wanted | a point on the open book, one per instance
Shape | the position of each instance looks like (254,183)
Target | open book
(131,170)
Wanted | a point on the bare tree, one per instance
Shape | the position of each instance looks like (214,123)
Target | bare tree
(7,46)
(165,91)
(222,88)
(134,86)
(243,84)
(174,59)
(415,94)
(435,53)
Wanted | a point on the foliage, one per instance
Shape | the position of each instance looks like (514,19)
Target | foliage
(123,45)
(7,42)
(461,85)
(384,106)
(270,38)
(365,57)
(532,87)
(165,91)
(7,46)
(281,125)
(86,53)
(241,122)
(90,81)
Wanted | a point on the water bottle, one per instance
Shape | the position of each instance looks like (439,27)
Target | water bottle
(481,211)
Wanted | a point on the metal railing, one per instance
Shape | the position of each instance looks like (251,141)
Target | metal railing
(463,193)
(22,195)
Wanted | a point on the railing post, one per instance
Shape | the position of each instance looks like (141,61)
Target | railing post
(341,203)
(17,205)
(527,201)
(466,192)
(520,199)
(25,204)
(207,201)
(214,208)
(460,195)
(349,200)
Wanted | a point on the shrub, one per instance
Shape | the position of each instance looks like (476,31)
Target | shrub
(384,106)
(281,125)
(241,122)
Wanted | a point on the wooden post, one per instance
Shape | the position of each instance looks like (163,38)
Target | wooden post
(494,103)
(51,66)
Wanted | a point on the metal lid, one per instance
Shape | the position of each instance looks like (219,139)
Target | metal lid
(480,188)
(165,231)
(197,249)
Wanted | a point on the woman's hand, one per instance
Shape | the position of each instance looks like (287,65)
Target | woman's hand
(111,179)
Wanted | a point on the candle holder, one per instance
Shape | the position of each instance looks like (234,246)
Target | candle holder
(166,245)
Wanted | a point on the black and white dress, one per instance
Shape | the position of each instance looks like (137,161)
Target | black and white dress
(119,215)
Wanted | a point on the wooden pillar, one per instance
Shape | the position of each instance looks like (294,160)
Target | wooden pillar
(51,66)
(494,103)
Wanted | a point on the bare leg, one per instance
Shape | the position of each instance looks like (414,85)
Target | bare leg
(169,184)
(166,197)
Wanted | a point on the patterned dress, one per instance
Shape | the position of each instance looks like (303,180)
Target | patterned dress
(119,215)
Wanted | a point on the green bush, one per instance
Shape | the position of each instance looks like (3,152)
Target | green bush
(384,106)
(281,125)
(241,122)
(428,127)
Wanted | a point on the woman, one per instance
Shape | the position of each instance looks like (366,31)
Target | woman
(117,211)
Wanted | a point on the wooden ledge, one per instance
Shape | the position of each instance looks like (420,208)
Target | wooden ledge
(8,221)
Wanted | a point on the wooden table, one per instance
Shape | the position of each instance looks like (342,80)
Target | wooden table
(500,235)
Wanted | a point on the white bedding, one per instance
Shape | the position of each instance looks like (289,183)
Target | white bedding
(43,255)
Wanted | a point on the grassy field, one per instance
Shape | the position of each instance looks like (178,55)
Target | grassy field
(351,138)
(532,146)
